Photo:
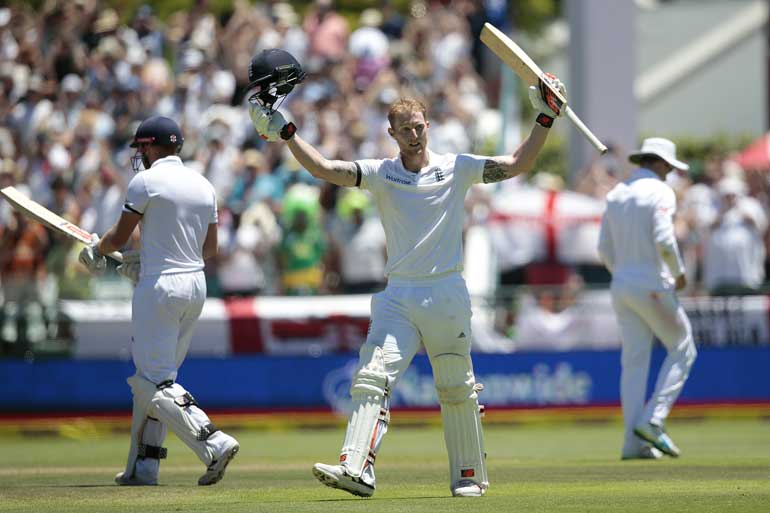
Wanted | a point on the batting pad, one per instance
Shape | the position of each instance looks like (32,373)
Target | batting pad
(151,450)
(370,416)
(142,391)
(456,387)
(176,408)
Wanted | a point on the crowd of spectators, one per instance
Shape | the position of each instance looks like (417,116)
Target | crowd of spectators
(76,77)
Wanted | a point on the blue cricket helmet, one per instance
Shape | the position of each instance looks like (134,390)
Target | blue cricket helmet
(158,130)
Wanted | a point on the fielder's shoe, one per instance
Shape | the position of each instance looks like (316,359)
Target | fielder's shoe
(467,488)
(216,471)
(647,452)
(657,436)
(133,480)
(335,476)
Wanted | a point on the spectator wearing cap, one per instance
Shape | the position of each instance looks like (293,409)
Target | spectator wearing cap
(734,256)
(370,47)
(107,23)
(392,21)
(302,248)
(145,26)
(69,102)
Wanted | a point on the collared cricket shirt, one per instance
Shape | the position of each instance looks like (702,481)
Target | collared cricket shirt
(422,213)
(177,204)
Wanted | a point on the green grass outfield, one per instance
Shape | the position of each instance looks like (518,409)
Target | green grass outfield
(536,467)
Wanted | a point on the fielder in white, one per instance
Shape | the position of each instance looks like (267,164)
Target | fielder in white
(419,195)
(176,209)
(638,246)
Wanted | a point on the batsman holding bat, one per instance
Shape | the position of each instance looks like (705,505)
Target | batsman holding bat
(177,210)
(419,196)
(638,246)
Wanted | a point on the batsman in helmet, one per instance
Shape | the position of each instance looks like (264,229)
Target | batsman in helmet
(176,209)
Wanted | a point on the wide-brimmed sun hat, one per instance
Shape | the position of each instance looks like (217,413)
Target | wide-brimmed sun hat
(661,148)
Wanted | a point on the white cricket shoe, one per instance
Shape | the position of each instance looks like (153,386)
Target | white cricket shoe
(122,480)
(647,452)
(336,476)
(467,488)
(658,437)
(216,471)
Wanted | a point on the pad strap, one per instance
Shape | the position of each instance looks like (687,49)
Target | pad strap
(206,431)
(165,384)
(152,451)
(186,400)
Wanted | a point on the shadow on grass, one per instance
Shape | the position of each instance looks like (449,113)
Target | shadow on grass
(105,485)
(380,499)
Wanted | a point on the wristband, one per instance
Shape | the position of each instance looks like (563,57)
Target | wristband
(544,120)
(288,131)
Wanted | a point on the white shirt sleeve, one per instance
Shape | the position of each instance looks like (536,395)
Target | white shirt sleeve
(214,218)
(663,232)
(137,196)
(469,169)
(370,178)
(606,252)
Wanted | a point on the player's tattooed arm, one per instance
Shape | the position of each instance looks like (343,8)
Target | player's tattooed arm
(503,167)
(338,172)
(497,169)
(341,171)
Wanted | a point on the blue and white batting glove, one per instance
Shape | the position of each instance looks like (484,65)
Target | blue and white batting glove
(90,257)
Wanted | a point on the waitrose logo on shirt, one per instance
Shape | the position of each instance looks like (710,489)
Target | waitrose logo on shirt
(398,180)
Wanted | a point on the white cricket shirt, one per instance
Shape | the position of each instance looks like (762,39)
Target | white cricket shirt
(177,204)
(637,242)
(422,213)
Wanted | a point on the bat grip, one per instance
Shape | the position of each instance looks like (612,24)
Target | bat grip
(116,255)
(585,131)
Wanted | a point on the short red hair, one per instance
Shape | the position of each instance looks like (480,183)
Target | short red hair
(406,106)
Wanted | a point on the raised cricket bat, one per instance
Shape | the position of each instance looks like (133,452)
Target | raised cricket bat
(34,210)
(518,60)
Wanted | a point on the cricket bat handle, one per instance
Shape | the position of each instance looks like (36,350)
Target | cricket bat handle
(586,131)
(116,255)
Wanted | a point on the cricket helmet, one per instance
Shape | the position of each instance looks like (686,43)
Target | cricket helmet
(158,130)
(155,130)
(274,72)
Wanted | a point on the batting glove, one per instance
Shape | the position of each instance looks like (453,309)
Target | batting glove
(91,258)
(544,101)
(131,266)
(270,124)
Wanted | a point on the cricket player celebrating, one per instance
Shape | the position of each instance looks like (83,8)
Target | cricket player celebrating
(419,195)
(177,209)
(638,246)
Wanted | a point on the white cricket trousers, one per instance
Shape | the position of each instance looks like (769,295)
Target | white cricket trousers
(409,314)
(164,311)
(641,315)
